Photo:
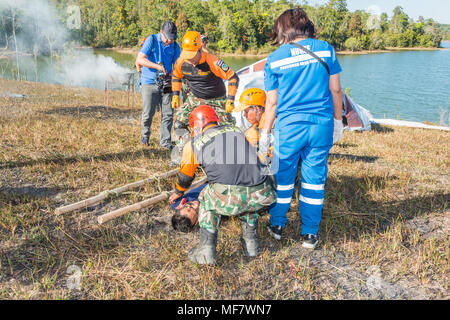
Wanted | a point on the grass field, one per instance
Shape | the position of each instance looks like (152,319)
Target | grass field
(384,234)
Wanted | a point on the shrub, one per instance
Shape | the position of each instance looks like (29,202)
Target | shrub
(353,44)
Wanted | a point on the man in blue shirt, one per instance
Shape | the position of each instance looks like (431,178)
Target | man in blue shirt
(304,95)
(158,55)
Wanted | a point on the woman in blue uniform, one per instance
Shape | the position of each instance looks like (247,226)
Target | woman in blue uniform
(304,96)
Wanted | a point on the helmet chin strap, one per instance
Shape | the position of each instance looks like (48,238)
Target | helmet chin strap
(258,114)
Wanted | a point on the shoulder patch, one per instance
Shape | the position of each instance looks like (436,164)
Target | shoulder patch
(223,65)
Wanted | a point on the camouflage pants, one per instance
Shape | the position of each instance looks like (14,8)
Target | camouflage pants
(245,202)
(192,102)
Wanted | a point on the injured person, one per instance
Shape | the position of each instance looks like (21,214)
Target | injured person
(186,210)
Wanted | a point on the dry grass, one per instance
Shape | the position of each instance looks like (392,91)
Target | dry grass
(385,232)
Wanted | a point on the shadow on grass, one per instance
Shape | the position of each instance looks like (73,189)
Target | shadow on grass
(147,153)
(363,214)
(381,129)
(20,195)
(95,112)
(44,250)
(337,156)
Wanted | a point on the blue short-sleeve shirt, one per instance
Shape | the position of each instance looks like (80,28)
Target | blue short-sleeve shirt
(156,51)
(302,82)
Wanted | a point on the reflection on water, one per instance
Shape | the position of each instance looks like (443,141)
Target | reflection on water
(407,85)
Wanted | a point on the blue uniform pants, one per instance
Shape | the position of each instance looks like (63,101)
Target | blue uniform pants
(312,143)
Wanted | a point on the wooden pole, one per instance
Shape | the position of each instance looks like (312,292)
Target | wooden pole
(128,95)
(105,194)
(132,90)
(143,204)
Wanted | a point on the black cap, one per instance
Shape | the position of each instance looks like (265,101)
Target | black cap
(169,30)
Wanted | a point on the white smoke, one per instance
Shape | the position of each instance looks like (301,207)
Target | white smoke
(40,31)
(82,67)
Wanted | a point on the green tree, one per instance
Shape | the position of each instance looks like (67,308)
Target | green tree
(356,26)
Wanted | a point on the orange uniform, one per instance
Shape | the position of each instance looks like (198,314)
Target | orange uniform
(206,78)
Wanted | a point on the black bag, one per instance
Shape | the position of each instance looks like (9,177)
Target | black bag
(164,82)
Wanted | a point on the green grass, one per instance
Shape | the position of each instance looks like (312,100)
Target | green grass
(386,205)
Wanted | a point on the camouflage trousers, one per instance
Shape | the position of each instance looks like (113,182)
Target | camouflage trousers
(218,200)
(192,102)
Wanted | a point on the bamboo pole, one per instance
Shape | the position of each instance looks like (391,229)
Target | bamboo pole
(105,194)
(143,204)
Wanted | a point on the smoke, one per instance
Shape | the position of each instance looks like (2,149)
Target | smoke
(41,32)
(85,68)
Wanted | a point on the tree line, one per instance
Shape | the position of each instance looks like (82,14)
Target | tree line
(234,26)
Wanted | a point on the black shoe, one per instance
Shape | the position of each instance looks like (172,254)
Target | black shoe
(275,231)
(144,141)
(310,241)
(179,125)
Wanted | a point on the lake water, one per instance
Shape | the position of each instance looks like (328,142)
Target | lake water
(406,85)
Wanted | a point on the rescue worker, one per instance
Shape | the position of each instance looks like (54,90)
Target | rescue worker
(237,184)
(204,73)
(304,94)
(253,101)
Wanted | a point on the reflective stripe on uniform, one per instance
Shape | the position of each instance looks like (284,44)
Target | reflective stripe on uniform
(285,187)
(303,57)
(313,186)
(284,200)
(312,201)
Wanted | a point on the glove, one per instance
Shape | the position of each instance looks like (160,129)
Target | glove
(264,143)
(338,130)
(229,107)
(175,101)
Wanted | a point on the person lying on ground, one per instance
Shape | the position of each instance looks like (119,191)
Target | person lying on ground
(186,210)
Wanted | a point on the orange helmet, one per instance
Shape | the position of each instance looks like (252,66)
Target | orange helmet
(251,97)
(190,44)
(202,116)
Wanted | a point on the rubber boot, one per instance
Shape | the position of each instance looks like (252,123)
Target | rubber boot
(205,252)
(249,239)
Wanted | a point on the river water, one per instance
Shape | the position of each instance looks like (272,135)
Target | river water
(406,85)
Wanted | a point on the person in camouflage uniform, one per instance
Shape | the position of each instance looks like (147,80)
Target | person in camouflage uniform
(226,200)
(218,104)
(237,183)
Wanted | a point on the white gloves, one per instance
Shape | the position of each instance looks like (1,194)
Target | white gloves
(338,130)
(264,143)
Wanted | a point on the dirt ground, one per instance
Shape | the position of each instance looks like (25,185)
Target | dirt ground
(384,234)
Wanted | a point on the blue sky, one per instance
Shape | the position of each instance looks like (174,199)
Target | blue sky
(439,10)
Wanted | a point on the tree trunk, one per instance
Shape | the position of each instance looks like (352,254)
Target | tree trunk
(5,32)
(13,14)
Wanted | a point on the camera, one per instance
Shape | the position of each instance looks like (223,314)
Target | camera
(163,81)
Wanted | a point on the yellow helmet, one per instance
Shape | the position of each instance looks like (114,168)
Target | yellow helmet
(251,97)
(190,44)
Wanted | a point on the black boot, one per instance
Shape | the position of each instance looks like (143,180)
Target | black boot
(249,239)
(205,252)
